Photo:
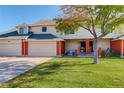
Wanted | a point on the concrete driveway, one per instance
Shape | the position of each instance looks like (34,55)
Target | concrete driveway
(11,67)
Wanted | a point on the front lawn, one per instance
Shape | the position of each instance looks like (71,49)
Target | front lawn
(73,72)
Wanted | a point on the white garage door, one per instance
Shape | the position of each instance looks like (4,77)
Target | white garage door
(10,48)
(42,48)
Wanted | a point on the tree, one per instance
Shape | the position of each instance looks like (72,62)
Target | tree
(89,17)
(119,30)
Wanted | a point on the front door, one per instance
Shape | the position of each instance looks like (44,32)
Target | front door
(83,47)
(91,46)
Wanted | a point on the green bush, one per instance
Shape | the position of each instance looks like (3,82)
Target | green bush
(103,53)
(112,54)
(115,54)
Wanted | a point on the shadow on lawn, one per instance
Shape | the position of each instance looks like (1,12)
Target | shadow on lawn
(49,69)
(55,67)
(38,73)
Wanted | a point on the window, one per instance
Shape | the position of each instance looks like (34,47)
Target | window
(44,29)
(23,31)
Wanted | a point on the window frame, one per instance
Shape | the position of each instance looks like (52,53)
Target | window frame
(23,30)
(44,27)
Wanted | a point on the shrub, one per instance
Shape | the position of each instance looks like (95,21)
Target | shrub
(114,54)
(103,53)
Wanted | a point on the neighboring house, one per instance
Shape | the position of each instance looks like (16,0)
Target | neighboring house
(42,39)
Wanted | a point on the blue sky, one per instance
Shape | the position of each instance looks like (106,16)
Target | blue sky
(11,16)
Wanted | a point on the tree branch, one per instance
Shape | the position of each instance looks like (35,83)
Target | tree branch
(93,24)
(87,28)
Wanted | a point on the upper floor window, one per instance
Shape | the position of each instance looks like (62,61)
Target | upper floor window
(23,30)
(44,29)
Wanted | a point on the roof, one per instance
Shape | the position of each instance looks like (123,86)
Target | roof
(43,37)
(80,34)
(74,36)
(111,35)
(44,23)
(9,30)
(121,37)
(13,35)
(87,34)
(22,25)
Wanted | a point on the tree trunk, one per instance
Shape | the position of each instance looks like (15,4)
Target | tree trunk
(95,51)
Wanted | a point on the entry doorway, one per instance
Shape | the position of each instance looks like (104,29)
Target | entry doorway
(91,46)
(83,47)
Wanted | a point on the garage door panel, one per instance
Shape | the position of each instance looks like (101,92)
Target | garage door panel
(42,48)
(10,48)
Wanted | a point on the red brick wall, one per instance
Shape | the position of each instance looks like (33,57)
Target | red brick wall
(115,46)
(57,48)
(24,48)
(60,47)
(87,46)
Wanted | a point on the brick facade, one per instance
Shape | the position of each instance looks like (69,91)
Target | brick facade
(88,46)
(117,46)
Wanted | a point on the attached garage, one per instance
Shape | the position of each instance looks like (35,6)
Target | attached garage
(42,48)
(10,47)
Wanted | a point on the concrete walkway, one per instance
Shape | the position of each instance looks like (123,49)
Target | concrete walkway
(12,67)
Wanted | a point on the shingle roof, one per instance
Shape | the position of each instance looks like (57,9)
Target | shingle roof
(87,34)
(22,25)
(44,22)
(42,36)
(110,35)
(120,37)
(9,30)
(80,34)
(13,35)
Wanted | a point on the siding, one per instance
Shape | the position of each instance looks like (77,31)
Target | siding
(116,46)
(60,48)
(38,30)
(104,43)
(72,45)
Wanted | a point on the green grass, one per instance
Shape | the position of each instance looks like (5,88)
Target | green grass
(73,72)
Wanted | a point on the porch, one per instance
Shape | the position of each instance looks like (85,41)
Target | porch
(80,47)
